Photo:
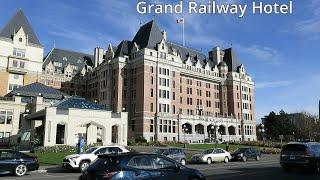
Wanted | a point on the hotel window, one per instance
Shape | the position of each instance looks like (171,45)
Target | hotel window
(15,63)
(151,125)
(174,84)
(151,107)
(1,136)
(132,125)
(165,126)
(6,117)
(151,69)
(21,64)
(173,96)
(19,52)
(151,92)
(150,53)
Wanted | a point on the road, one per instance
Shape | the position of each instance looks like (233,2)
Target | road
(267,168)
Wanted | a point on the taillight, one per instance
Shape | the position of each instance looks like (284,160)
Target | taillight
(108,175)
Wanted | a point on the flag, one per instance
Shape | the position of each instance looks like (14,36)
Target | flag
(180,21)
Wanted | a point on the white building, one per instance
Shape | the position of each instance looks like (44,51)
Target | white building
(39,112)
(21,54)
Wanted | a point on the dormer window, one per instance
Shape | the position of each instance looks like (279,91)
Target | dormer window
(19,52)
(162,46)
(20,39)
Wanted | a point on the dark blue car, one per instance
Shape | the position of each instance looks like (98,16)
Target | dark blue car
(16,162)
(139,166)
(244,154)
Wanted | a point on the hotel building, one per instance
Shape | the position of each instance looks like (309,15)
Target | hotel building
(174,93)
(171,92)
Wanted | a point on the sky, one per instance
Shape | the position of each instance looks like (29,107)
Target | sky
(280,52)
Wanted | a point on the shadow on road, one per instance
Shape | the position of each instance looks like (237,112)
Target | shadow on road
(58,169)
(267,173)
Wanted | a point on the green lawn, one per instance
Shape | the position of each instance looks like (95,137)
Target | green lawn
(46,159)
(232,148)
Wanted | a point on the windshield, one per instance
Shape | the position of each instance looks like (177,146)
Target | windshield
(294,147)
(90,150)
(240,150)
(159,151)
(207,151)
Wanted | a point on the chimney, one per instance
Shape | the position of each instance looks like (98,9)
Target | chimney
(164,34)
(98,56)
(216,55)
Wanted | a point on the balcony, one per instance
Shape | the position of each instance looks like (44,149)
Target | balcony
(17,65)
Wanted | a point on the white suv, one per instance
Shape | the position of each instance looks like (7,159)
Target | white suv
(82,161)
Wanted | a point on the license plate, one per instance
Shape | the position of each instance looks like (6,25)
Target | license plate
(292,157)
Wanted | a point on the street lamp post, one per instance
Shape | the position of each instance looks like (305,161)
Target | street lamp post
(184,130)
(262,131)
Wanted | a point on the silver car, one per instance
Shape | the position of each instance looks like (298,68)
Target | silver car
(211,155)
(174,153)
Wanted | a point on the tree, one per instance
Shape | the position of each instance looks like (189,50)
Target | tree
(278,124)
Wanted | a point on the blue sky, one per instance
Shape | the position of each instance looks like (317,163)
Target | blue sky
(280,52)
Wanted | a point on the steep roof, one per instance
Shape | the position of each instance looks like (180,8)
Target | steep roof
(185,51)
(34,89)
(15,23)
(79,103)
(123,49)
(66,57)
(231,59)
(148,36)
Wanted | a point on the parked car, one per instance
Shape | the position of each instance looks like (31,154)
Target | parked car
(138,166)
(174,153)
(244,154)
(211,155)
(17,163)
(301,155)
(82,161)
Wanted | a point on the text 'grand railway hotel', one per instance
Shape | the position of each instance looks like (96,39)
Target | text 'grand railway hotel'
(171,93)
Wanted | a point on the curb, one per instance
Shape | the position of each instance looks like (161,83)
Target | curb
(39,171)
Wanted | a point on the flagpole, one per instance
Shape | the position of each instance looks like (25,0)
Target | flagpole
(183,42)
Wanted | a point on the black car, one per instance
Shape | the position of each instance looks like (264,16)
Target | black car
(304,155)
(16,162)
(138,166)
(243,154)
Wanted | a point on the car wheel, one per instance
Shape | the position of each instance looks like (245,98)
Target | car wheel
(183,162)
(209,160)
(226,160)
(20,170)
(258,158)
(83,165)
(244,159)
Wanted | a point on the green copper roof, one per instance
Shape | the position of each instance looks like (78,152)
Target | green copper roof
(79,103)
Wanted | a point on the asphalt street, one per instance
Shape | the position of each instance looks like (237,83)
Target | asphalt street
(267,168)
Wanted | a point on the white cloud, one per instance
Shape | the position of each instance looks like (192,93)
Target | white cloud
(274,84)
(310,26)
